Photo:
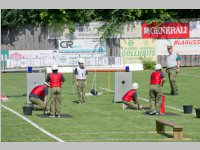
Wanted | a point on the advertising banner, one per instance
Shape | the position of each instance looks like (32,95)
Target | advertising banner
(194,29)
(34,58)
(135,50)
(135,29)
(131,30)
(181,46)
(4,57)
(91,59)
(167,30)
(90,31)
(82,46)
(43,58)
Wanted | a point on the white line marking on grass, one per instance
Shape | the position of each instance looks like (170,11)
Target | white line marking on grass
(196,68)
(171,107)
(106,89)
(33,124)
(147,100)
(189,75)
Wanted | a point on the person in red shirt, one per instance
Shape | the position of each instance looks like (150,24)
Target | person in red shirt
(55,79)
(130,96)
(39,97)
(156,81)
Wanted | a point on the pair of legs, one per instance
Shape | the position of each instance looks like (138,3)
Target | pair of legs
(81,90)
(38,104)
(172,80)
(155,98)
(55,101)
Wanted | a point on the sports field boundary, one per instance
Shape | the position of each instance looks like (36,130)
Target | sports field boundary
(33,124)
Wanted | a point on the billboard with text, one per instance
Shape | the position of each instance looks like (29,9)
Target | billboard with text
(135,50)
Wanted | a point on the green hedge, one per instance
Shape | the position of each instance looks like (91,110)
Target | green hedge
(148,64)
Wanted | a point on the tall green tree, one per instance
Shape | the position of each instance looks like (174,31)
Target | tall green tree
(114,18)
(15,18)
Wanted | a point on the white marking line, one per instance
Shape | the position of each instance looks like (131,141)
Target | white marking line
(180,110)
(33,124)
(106,89)
(147,100)
(188,75)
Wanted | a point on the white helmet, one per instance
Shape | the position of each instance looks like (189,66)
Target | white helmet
(45,83)
(158,67)
(55,67)
(81,60)
(135,86)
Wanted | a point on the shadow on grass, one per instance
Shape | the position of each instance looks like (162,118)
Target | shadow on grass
(76,101)
(165,114)
(143,108)
(167,93)
(168,135)
(62,116)
(20,95)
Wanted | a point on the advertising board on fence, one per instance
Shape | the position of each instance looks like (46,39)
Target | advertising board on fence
(135,50)
(167,30)
(82,46)
(194,29)
(42,58)
(90,31)
(135,29)
(91,59)
(35,58)
(181,46)
(4,56)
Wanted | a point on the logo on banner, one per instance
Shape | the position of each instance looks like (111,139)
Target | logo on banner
(66,44)
(166,30)
(82,45)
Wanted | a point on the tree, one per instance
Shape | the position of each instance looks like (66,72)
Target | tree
(12,19)
(114,18)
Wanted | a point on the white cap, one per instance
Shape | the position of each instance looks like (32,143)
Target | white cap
(55,67)
(158,67)
(135,86)
(81,60)
(45,83)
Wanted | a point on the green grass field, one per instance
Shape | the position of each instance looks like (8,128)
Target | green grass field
(101,120)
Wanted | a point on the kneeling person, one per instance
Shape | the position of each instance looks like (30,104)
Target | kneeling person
(39,97)
(130,96)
